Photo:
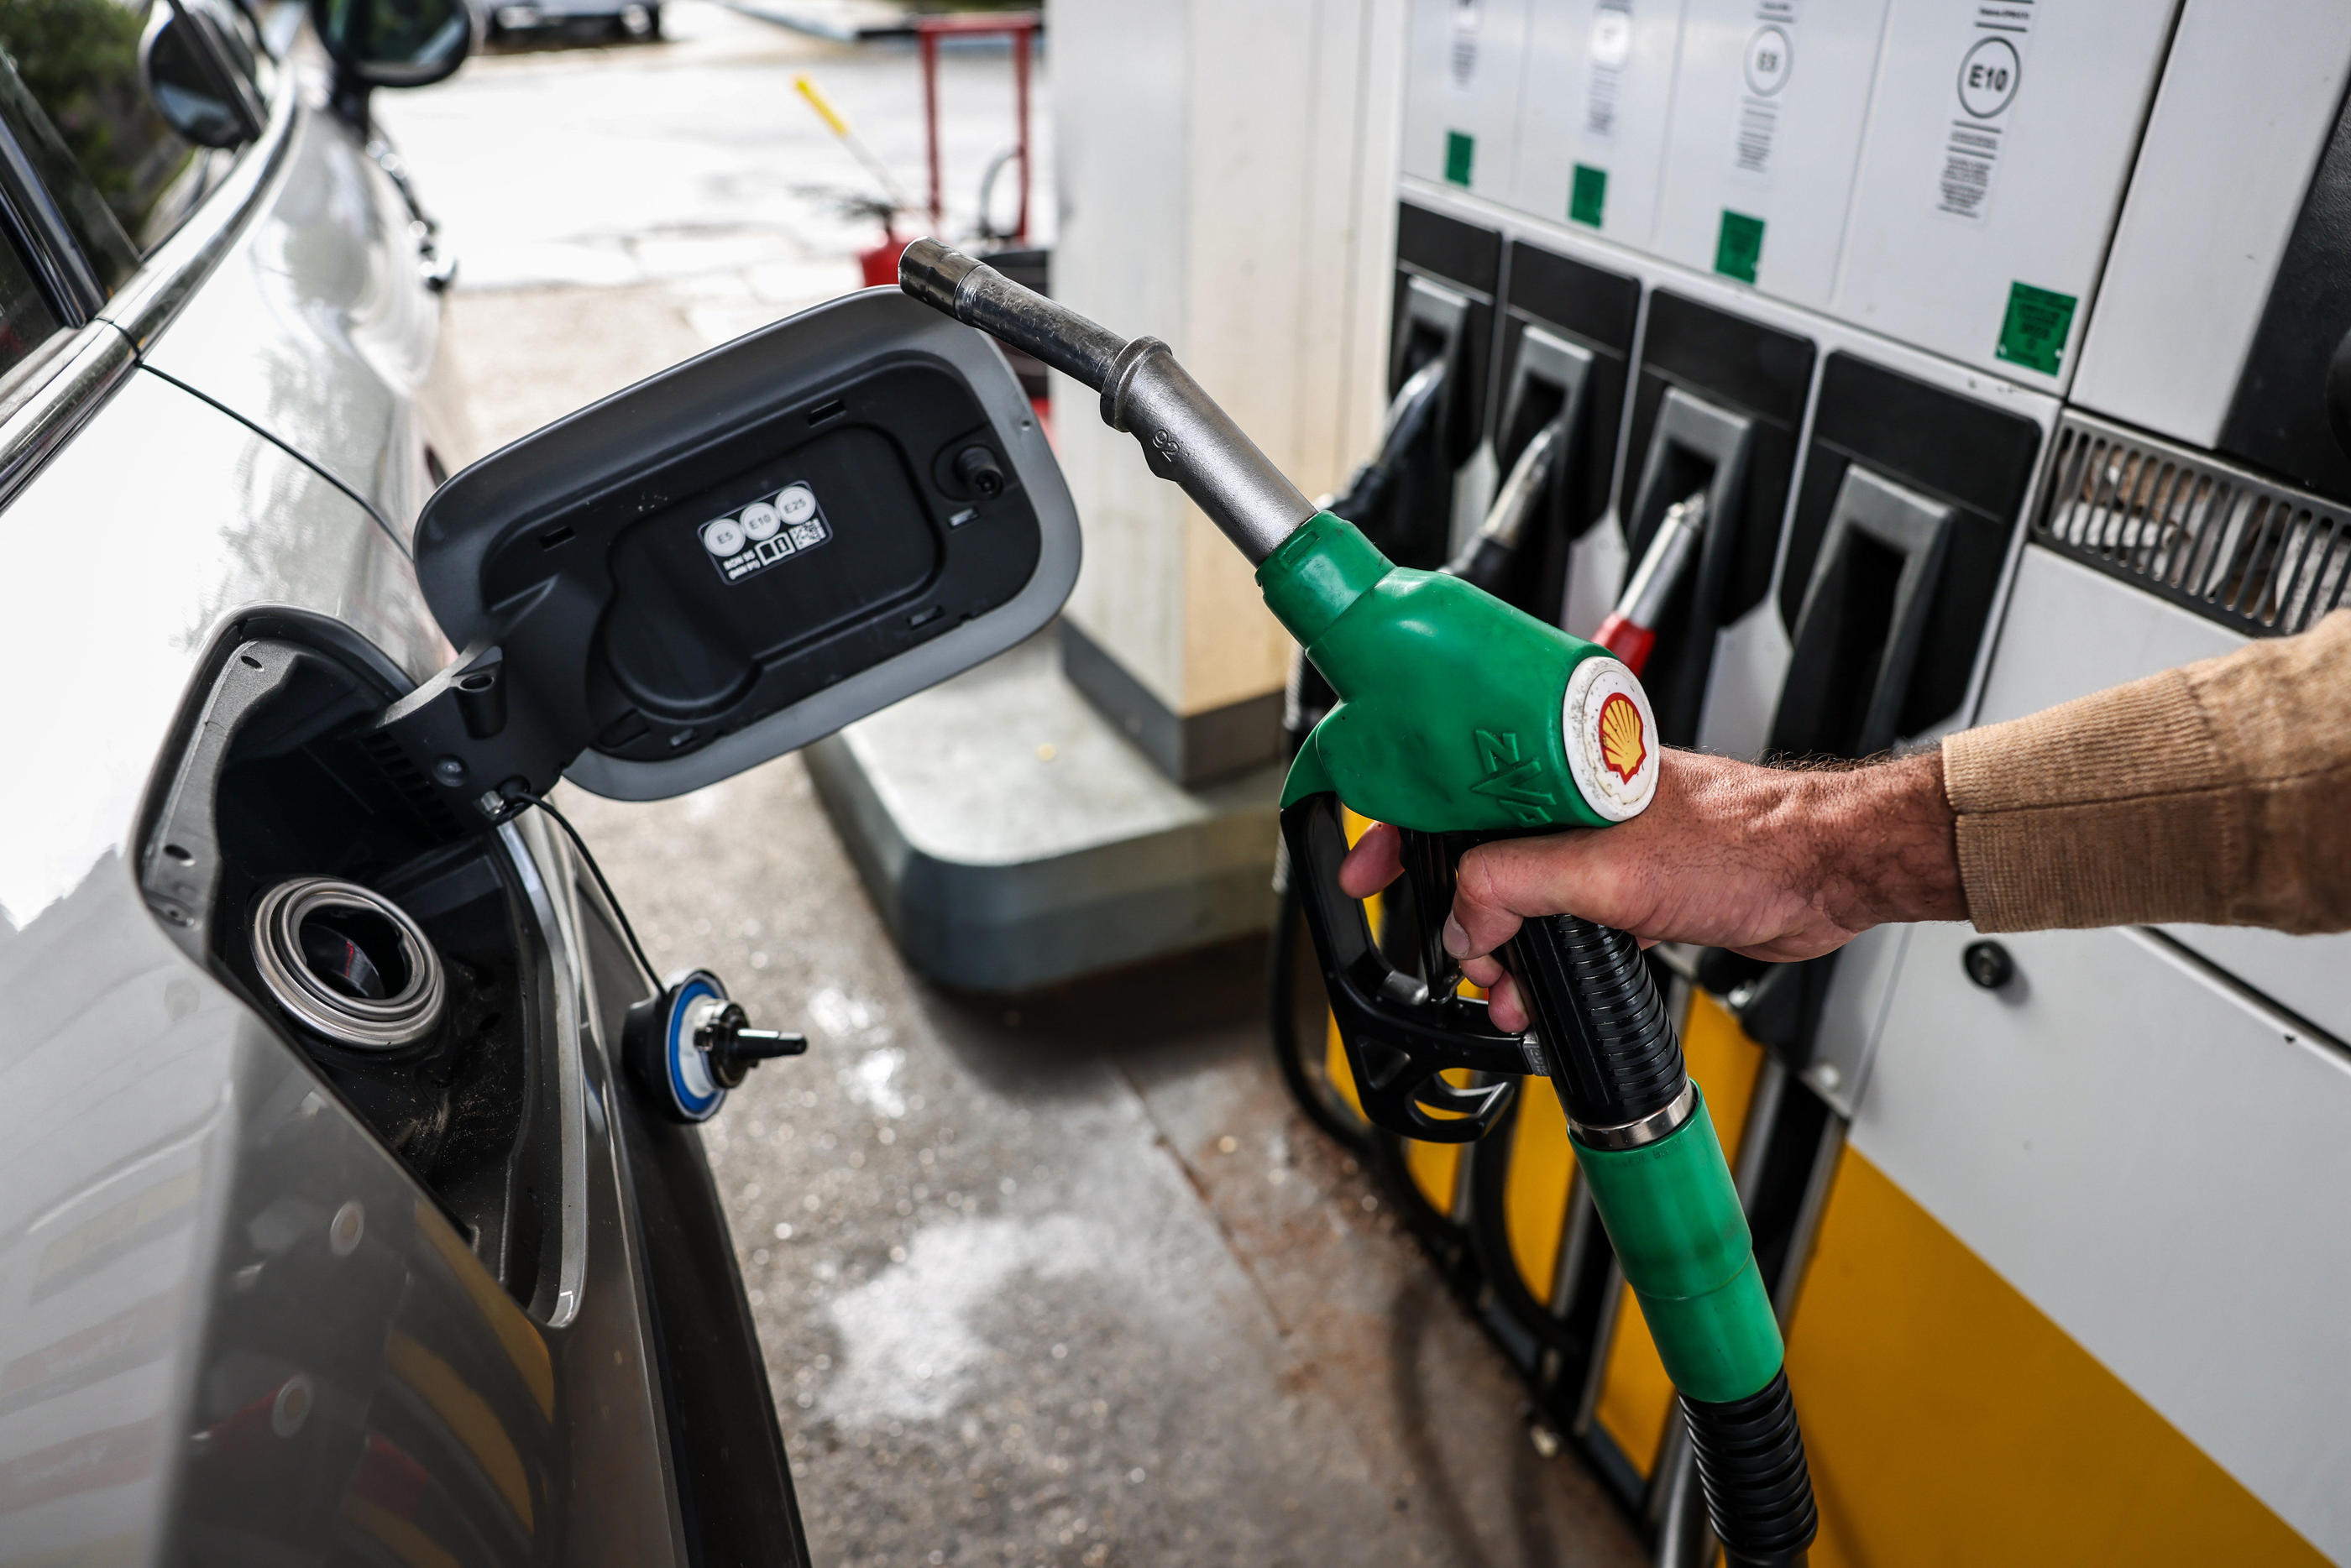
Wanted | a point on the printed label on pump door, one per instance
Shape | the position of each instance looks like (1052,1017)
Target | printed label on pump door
(1770,57)
(1991,71)
(1612,739)
(1608,47)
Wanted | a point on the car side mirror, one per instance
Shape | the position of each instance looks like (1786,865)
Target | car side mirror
(394,43)
(733,558)
(199,72)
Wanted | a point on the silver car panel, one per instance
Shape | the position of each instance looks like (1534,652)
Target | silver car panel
(310,321)
(232,1328)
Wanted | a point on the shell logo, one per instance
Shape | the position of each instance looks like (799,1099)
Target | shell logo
(1623,740)
(1605,721)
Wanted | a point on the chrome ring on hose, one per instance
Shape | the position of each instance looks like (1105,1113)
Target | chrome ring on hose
(1647,1130)
(401,1019)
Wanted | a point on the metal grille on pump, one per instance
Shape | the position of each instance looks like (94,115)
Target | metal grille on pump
(2256,556)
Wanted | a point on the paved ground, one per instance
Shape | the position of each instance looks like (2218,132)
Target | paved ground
(1061,1281)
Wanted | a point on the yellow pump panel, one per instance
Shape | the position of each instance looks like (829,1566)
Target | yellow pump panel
(1536,1187)
(1635,1395)
(1334,1049)
(1436,1168)
(1950,1423)
(1334,1061)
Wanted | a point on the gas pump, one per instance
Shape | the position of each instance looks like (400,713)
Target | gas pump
(2035,319)
(1894,554)
(1893,551)
(1429,735)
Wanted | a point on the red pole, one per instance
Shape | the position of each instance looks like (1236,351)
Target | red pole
(931,122)
(1021,38)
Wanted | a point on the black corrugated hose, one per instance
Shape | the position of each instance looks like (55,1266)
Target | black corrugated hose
(1615,1058)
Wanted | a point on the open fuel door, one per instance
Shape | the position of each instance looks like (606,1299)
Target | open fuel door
(733,558)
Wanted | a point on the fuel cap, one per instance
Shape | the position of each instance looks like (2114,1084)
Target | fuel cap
(689,1045)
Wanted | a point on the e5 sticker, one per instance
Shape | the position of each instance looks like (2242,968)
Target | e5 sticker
(1612,739)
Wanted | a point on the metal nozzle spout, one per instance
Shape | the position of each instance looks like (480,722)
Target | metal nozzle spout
(1671,549)
(1186,437)
(978,295)
(932,273)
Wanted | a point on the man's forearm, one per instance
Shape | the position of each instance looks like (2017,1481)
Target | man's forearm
(1889,848)
(2215,792)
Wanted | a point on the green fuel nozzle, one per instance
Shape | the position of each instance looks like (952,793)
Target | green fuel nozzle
(1461,719)
(1457,712)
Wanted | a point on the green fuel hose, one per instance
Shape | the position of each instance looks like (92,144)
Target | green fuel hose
(1459,716)
(1425,736)
(1656,1172)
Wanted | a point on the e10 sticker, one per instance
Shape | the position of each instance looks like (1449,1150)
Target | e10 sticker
(766,532)
(1990,71)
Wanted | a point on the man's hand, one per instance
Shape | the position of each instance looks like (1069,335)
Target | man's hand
(1773,863)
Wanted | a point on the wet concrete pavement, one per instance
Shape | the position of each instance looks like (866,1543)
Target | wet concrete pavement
(1065,1279)
(1057,1281)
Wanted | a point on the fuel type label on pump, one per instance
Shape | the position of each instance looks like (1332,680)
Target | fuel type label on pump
(1769,60)
(1991,70)
(766,532)
(1609,47)
(1462,59)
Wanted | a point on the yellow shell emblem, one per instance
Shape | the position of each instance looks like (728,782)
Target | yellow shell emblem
(1623,740)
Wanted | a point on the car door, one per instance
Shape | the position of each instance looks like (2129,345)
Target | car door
(234,1326)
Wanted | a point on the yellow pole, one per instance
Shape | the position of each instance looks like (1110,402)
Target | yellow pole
(839,128)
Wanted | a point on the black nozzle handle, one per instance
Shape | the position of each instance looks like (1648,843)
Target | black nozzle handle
(1186,437)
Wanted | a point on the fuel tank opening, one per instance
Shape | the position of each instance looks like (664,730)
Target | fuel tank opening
(347,963)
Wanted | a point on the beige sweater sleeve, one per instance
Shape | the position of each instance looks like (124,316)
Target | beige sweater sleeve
(2218,793)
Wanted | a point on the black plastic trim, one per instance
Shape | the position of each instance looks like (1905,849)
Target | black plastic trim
(1978,458)
(1597,309)
(727,1460)
(733,1480)
(1597,306)
(1448,248)
(1744,369)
